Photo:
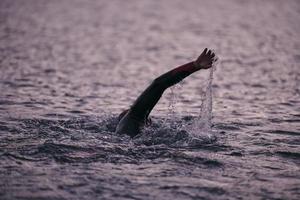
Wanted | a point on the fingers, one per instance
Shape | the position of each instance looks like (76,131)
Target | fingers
(209,53)
(204,52)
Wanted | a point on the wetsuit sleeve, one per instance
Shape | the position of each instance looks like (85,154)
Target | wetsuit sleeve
(176,75)
(148,99)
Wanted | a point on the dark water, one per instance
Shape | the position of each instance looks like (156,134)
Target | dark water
(69,67)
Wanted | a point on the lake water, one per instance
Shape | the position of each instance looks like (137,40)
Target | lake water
(69,67)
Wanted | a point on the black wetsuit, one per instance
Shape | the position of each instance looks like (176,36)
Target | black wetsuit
(133,119)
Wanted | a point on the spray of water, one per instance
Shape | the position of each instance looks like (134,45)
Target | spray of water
(201,126)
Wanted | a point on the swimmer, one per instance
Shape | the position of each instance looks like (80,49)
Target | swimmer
(132,120)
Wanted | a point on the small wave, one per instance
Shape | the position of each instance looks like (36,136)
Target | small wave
(173,133)
(283,132)
(288,154)
(92,139)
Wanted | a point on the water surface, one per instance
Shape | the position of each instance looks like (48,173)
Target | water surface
(68,68)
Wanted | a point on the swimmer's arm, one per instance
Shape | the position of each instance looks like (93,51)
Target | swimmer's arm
(204,61)
(148,99)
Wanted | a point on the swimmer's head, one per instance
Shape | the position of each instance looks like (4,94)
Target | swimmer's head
(148,121)
(122,114)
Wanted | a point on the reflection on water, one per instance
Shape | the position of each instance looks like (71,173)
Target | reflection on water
(68,68)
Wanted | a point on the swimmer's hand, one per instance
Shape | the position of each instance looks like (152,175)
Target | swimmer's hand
(205,60)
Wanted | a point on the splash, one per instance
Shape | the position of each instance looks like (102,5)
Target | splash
(202,125)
